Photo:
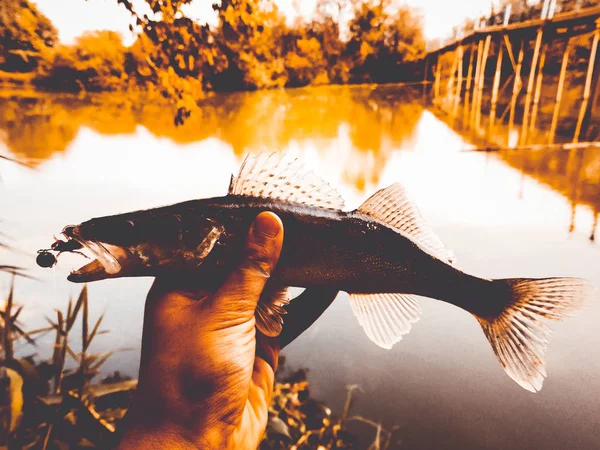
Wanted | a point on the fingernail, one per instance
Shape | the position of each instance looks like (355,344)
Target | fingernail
(266,225)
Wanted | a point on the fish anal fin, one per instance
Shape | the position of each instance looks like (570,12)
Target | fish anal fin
(393,207)
(270,311)
(518,335)
(385,317)
(281,176)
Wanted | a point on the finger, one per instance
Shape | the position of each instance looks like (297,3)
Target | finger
(303,311)
(268,349)
(242,289)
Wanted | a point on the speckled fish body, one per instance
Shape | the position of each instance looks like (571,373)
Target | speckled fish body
(382,254)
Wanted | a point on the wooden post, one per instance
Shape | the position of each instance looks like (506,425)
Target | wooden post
(436,89)
(573,215)
(588,85)
(559,91)
(538,91)
(425,76)
(459,82)
(496,86)
(516,89)
(475,83)
(486,51)
(468,86)
(510,52)
(450,86)
(530,80)
(593,113)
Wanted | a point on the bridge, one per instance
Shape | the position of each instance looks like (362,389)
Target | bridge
(497,97)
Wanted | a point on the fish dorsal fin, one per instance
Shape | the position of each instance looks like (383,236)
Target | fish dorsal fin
(393,207)
(282,177)
(385,317)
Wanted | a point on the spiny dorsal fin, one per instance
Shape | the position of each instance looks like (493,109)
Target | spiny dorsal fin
(283,177)
(385,317)
(392,206)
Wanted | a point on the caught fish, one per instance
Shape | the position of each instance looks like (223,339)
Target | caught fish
(382,254)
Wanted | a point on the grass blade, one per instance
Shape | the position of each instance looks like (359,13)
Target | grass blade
(84,321)
(16,314)
(94,331)
(82,298)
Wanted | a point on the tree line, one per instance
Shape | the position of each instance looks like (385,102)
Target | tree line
(251,47)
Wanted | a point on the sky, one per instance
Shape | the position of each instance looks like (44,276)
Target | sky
(73,17)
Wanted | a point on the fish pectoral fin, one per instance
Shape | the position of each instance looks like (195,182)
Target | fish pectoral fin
(385,317)
(269,310)
(393,206)
(280,176)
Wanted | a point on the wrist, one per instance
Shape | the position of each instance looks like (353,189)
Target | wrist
(152,427)
(163,436)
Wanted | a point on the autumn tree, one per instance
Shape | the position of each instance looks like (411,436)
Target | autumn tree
(95,62)
(382,38)
(26,35)
(249,34)
(327,28)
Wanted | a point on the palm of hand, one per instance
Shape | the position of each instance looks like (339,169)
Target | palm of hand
(201,383)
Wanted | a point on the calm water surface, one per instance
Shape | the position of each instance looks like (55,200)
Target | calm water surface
(504,215)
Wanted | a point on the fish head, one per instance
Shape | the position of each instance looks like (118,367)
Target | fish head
(142,244)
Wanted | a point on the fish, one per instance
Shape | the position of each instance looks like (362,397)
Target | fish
(383,254)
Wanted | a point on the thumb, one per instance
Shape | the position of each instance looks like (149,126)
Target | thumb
(242,288)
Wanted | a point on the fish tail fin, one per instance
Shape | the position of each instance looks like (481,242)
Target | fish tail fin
(518,335)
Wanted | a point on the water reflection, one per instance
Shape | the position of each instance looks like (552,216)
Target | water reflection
(503,215)
(373,120)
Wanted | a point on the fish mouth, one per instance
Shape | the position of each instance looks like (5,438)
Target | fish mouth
(106,259)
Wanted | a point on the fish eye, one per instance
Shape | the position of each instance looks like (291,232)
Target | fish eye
(68,230)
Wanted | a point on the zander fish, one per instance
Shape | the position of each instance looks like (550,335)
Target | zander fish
(382,254)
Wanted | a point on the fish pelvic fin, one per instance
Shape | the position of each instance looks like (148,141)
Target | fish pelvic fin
(518,335)
(385,317)
(270,310)
(393,206)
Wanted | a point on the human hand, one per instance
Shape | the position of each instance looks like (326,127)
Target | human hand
(202,383)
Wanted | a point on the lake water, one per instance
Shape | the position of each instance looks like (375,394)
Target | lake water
(504,215)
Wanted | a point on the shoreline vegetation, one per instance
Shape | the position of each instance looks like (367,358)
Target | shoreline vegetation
(60,403)
(251,47)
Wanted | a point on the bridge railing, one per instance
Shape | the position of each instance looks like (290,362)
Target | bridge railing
(546,10)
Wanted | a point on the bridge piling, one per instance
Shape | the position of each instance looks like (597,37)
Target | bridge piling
(559,91)
(459,81)
(516,89)
(475,84)
(588,84)
(436,88)
(496,86)
(538,91)
(486,51)
(530,81)
(450,85)
(468,86)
